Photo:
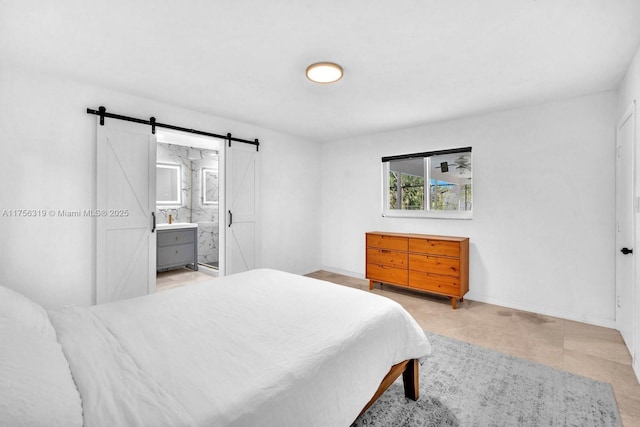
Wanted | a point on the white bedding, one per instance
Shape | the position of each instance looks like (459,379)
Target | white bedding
(261,348)
(36,388)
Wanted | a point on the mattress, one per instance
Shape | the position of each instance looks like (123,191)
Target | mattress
(259,348)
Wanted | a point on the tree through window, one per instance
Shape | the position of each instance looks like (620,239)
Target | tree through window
(448,190)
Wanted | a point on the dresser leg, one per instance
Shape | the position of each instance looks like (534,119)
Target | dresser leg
(454,303)
(370,285)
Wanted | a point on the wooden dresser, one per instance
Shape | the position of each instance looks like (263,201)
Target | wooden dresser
(436,264)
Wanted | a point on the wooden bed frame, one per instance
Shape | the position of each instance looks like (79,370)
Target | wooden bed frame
(410,377)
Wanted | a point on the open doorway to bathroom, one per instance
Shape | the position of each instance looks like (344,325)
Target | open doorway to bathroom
(196,162)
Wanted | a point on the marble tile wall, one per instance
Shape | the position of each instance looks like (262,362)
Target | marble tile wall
(177,155)
(194,208)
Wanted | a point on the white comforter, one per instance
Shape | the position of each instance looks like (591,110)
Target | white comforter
(261,348)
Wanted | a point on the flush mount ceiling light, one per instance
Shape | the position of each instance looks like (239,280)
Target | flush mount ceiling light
(324,72)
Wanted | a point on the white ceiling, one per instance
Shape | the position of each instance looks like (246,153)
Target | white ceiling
(406,62)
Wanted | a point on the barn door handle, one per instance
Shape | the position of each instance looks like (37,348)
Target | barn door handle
(230,218)
(626,251)
(153,216)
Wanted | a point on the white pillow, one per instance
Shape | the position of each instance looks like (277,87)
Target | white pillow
(36,386)
(17,307)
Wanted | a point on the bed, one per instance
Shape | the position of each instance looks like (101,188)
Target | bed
(259,348)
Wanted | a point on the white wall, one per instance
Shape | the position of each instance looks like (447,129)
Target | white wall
(48,162)
(548,247)
(542,236)
(629,92)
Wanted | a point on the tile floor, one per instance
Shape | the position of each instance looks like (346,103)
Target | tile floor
(587,350)
(180,277)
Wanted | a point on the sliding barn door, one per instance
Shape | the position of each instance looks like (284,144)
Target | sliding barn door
(125,235)
(241,205)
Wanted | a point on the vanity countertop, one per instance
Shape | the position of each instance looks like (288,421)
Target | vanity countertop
(176,226)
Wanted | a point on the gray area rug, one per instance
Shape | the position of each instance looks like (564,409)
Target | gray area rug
(466,385)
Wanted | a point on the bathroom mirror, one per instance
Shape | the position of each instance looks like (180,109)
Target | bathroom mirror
(209,186)
(168,184)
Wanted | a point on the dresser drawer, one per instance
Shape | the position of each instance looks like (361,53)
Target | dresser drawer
(435,247)
(387,242)
(178,237)
(177,254)
(387,257)
(385,274)
(440,284)
(435,265)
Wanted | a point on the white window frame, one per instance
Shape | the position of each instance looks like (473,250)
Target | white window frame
(421,213)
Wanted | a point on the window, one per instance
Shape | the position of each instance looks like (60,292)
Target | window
(431,184)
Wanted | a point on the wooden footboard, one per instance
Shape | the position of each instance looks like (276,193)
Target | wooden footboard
(409,370)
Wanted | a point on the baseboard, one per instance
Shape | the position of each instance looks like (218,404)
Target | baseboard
(567,315)
(343,272)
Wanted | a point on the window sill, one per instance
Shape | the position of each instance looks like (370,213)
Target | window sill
(427,214)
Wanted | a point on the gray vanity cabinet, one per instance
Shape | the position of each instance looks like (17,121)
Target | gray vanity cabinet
(177,248)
